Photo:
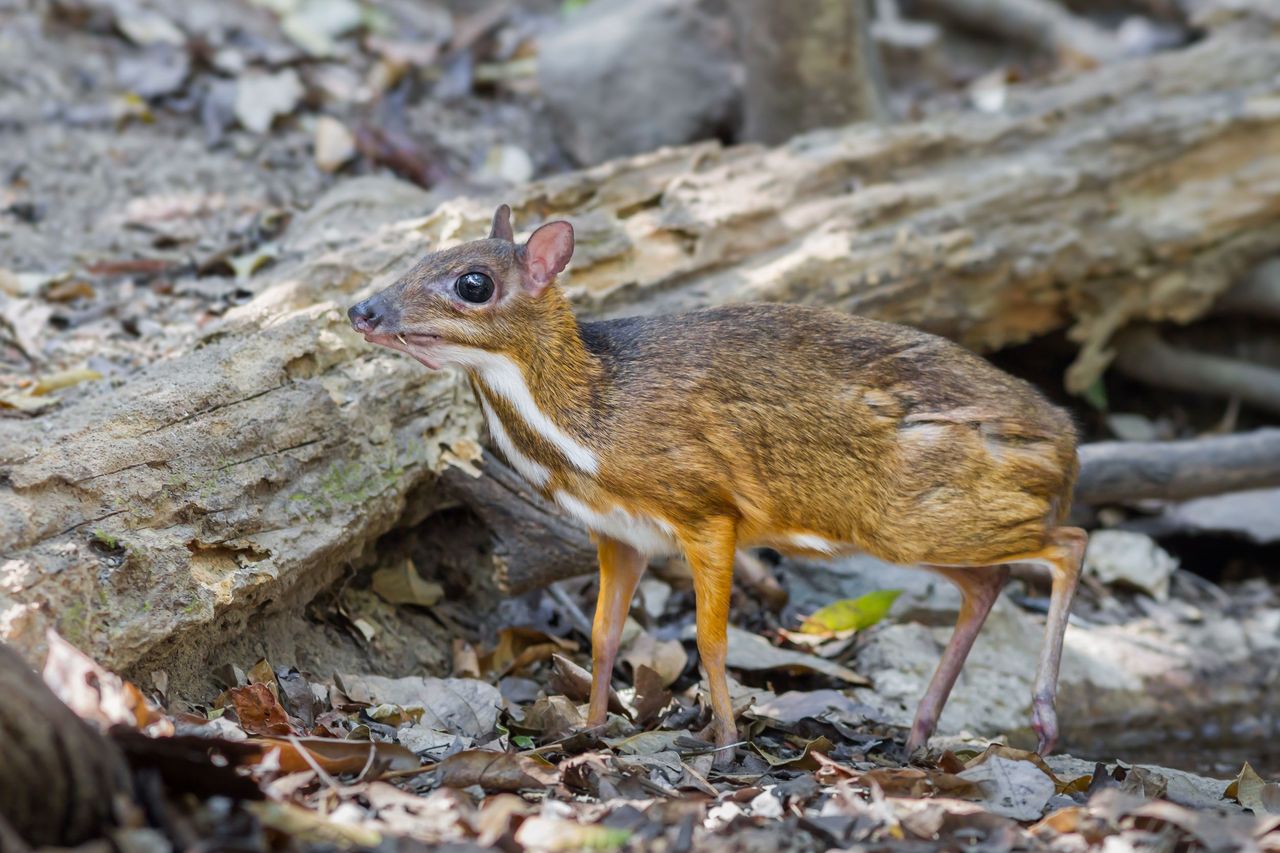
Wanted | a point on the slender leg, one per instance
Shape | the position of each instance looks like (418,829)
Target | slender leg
(620,569)
(710,554)
(979,588)
(1064,558)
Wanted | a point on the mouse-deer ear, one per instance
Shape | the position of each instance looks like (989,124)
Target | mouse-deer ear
(501,229)
(545,255)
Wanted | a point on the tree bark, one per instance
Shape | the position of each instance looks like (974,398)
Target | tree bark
(247,473)
(60,778)
(809,64)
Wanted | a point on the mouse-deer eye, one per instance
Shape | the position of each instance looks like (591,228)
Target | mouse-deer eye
(474,287)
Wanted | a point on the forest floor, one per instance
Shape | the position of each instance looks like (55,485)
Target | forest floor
(145,177)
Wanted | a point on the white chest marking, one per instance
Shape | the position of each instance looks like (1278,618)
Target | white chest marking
(650,536)
(502,376)
(814,542)
(532,470)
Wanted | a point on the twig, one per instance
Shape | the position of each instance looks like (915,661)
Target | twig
(1118,471)
(411,771)
(313,764)
(571,608)
(1143,355)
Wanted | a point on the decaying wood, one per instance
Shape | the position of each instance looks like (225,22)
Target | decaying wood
(60,778)
(165,510)
(1125,471)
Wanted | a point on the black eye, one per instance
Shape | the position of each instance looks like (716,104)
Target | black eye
(474,287)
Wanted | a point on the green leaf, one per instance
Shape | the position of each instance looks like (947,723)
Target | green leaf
(1096,395)
(523,741)
(851,614)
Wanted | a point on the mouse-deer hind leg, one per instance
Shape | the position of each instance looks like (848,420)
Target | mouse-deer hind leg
(979,587)
(620,569)
(1064,557)
(710,553)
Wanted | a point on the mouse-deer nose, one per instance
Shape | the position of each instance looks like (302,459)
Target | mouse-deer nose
(364,316)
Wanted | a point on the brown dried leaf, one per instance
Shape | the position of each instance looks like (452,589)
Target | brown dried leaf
(259,711)
(652,695)
(495,771)
(665,657)
(466,663)
(401,584)
(512,643)
(920,782)
(497,816)
(1254,793)
(335,756)
(554,717)
(806,760)
(575,682)
(95,694)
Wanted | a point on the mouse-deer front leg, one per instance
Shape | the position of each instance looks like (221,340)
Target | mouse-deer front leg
(710,553)
(620,569)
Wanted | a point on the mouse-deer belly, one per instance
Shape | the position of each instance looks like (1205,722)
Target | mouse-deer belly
(649,534)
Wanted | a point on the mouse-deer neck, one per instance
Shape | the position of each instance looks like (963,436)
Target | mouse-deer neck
(542,386)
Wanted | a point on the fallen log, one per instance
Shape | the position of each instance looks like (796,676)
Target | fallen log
(1142,354)
(1126,471)
(157,515)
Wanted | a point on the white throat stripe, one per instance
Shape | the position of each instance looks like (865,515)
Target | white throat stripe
(503,377)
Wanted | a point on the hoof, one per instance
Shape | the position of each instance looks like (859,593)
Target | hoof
(1044,721)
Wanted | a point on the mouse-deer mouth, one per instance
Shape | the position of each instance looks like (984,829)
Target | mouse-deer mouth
(417,345)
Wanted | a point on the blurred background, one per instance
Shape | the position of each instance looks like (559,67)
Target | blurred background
(201,467)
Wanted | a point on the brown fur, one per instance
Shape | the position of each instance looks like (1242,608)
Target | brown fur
(749,424)
(788,418)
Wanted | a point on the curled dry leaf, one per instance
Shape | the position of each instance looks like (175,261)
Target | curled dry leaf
(807,759)
(466,663)
(519,647)
(95,694)
(495,771)
(665,657)
(402,584)
(575,682)
(1251,791)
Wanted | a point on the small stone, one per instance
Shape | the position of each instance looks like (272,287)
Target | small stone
(334,144)
(1130,559)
